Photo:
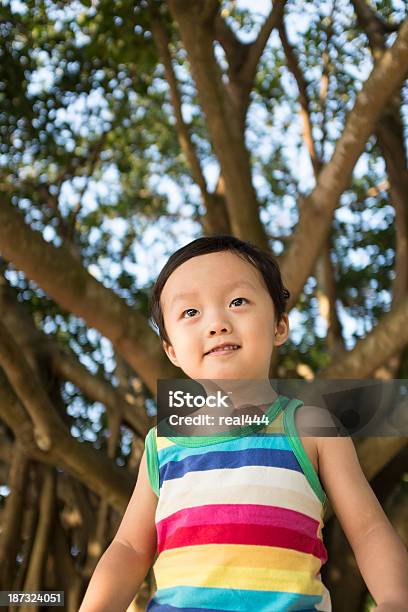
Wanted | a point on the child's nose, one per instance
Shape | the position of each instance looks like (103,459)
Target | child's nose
(223,327)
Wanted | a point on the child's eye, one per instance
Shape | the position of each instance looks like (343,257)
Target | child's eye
(239,298)
(188,310)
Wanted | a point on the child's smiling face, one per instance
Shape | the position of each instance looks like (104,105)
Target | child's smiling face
(214,299)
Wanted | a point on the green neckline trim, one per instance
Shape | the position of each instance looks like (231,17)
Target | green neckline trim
(152,461)
(189,441)
(299,450)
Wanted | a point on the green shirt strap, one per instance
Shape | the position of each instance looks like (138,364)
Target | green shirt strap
(299,450)
(151,460)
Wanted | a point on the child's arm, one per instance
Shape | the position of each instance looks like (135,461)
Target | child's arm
(125,563)
(380,553)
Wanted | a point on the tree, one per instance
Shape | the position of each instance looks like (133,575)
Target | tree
(128,128)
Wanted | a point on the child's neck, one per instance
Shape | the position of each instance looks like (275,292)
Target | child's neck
(242,392)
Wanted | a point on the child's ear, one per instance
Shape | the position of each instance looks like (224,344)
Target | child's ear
(282,330)
(170,352)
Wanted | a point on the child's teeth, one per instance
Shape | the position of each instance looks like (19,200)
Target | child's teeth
(226,348)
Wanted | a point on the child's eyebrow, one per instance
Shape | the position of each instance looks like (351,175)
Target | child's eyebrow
(229,287)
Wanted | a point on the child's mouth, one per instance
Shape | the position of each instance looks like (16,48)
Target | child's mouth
(224,350)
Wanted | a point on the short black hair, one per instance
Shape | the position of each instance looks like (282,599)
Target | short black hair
(264,262)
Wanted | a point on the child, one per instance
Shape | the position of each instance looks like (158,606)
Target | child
(237,521)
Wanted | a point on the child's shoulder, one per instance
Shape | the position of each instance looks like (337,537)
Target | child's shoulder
(315,421)
(312,423)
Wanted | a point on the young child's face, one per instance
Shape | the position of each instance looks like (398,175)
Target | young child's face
(220,298)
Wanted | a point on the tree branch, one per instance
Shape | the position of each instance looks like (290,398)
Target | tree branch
(373,24)
(243,58)
(304,99)
(223,121)
(317,213)
(391,139)
(209,9)
(28,389)
(68,576)
(73,288)
(38,555)
(256,48)
(186,144)
(323,269)
(80,459)
(12,516)
(38,346)
(389,336)
(235,50)
(215,206)
(96,388)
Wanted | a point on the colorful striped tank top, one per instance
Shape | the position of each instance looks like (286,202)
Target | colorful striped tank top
(239,520)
